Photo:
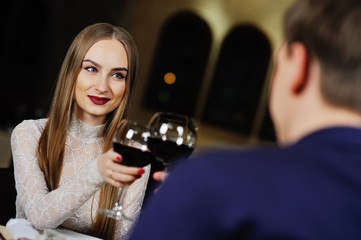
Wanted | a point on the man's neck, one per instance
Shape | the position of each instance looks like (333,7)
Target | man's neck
(317,119)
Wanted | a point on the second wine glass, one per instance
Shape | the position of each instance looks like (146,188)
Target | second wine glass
(172,136)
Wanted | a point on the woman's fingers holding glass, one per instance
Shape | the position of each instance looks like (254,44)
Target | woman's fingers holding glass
(115,173)
(114,156)
(111,179)
(105,165)
(122,180)
(125,175)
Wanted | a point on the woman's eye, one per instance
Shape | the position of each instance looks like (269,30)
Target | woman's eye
(118,75)
(91,69)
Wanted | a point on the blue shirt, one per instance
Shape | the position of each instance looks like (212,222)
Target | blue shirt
(310,190)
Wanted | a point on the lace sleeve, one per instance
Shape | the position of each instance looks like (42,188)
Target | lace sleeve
(132,205)
(42,208)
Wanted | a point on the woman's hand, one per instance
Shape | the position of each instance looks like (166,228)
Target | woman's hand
(117,174)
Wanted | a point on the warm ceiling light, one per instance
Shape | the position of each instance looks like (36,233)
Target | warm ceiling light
(169,78)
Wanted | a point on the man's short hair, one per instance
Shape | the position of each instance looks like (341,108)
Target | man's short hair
(331,32)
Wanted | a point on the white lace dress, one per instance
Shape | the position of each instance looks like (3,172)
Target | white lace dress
(70,205)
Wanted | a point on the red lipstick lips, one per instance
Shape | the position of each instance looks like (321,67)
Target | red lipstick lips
(98,100)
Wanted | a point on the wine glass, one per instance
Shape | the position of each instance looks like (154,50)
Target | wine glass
(129,140)
(172,136)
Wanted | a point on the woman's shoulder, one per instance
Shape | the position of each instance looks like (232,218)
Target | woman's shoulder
(32,125)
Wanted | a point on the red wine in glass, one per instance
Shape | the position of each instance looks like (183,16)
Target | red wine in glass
(168,151)
(172,137)
(132,156)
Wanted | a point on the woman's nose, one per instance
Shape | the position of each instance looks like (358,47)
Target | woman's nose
(102,84)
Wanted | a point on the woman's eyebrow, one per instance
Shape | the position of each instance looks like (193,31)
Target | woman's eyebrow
(121,69)
(92,62)
(99,66)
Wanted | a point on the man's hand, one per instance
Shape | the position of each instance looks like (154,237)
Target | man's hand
(160,176)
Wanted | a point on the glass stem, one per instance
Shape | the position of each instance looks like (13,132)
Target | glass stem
(122,193)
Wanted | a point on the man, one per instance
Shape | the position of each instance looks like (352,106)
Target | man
(310,186)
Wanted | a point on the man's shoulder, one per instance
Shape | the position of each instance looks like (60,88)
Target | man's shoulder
(231,164)
(254,155)
(240,169)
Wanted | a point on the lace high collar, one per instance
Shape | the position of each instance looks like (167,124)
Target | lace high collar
(88,134)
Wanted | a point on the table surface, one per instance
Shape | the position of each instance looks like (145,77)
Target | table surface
(69,235)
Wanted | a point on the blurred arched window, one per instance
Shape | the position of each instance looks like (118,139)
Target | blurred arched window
(238,80)
(178,65)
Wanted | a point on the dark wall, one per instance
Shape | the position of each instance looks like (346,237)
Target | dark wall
(36,36)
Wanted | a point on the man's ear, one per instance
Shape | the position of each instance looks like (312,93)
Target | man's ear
(299,57)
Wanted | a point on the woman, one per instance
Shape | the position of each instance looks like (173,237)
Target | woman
(65,168)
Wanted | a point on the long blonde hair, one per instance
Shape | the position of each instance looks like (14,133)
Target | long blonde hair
(52,141)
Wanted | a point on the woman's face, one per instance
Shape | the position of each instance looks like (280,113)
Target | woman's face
(100,85)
